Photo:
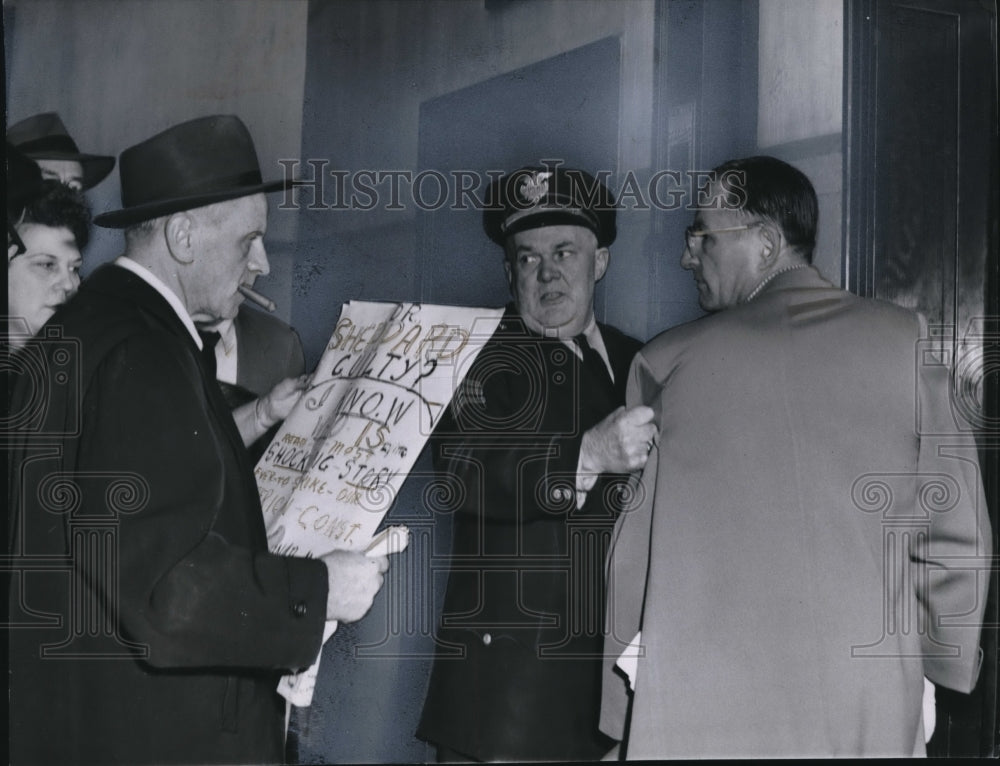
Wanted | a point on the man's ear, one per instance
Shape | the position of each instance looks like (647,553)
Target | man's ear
(178,233)
(509,271)
(770,237)
(601,257)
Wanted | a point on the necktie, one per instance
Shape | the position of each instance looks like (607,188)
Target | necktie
(593,362)
(208,343)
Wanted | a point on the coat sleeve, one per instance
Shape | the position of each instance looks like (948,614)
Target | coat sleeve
(953,560)
(194,581)
(626,568)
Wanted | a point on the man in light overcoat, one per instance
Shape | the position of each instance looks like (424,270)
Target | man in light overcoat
(810,537)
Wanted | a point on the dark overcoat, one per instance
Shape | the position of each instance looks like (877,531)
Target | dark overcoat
(154,624)
(517,671)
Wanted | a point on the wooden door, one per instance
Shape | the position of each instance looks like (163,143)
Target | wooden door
(920,230)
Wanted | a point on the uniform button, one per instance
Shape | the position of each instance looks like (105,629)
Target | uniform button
(299,609)
(487,639)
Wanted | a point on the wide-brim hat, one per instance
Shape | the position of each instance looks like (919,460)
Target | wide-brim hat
(44,137)
(197,163)
(532,197)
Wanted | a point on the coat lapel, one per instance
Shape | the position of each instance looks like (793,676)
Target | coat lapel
(122,284)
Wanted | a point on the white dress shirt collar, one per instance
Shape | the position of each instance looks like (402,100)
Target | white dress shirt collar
(226,358)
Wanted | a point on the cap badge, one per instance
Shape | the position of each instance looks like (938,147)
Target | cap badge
(534,187)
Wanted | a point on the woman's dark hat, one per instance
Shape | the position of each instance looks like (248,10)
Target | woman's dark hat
(24,186)
(24,182)
(196,163)
(549,196)
(44,137)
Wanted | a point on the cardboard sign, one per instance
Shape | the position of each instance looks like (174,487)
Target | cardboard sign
(338,461)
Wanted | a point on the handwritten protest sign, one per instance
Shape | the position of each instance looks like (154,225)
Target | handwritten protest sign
(336,464)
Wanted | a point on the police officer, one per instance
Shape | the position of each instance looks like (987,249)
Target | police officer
(532,443)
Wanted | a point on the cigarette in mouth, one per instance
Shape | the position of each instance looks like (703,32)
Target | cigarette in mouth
(261,300)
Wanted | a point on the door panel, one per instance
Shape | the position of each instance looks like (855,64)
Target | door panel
(538,112)
(920,231)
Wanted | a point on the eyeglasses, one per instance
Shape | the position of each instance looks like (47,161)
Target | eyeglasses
(691,233)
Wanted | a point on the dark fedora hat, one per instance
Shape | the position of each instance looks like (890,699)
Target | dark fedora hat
(532,197)
(44,137)
(197,163)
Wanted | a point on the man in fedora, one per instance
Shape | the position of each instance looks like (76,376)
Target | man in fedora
(532,443)
(153,623)
(44,139)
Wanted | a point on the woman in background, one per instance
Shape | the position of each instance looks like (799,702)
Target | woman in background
(43,270)
(43,258)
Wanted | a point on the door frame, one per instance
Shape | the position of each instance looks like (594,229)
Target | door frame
(980,712)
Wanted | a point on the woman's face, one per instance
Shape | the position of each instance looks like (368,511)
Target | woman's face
(42,278)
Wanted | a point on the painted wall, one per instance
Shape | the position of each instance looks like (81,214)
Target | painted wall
(371,67)
(344,82)
(800,105)
(120,70)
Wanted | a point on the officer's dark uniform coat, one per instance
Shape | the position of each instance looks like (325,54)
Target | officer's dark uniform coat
(517,674)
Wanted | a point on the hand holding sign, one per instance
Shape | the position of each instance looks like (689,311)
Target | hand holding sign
(354,579)
(335,466)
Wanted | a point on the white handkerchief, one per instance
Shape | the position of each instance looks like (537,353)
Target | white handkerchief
(390,540)
(629,659)
(298,688)
(930,710)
